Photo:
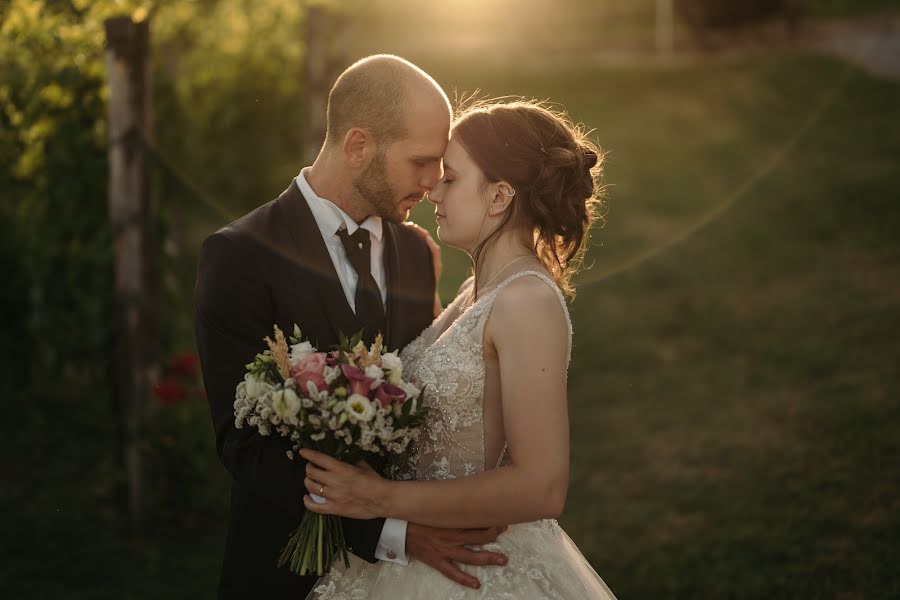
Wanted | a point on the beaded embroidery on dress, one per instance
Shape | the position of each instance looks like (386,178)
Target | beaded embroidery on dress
(543,561)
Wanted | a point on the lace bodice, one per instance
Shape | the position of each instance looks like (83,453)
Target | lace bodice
(447,359)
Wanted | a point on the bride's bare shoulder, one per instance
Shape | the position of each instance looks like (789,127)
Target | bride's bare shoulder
(526,307)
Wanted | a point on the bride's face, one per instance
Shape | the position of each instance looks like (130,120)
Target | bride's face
(460,201)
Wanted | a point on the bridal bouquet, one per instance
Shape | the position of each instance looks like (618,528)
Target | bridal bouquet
(351,403)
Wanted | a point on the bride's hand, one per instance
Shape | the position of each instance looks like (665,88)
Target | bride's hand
(353,491)
(432,246)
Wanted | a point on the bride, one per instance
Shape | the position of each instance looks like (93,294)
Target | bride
(519,196)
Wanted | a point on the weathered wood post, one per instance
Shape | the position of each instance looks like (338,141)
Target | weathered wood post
(132,218)
(665,27)
(325,33)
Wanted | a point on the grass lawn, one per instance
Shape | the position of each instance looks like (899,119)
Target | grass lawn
(734,397)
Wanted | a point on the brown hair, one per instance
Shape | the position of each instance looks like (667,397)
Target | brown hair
(554,169)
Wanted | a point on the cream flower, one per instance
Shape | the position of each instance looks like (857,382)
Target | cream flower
(394,366)
(255,387)
(285,403)
(360,408)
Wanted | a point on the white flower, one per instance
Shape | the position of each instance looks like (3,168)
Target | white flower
(301,351)
(255,387)
(390,360)
(331,373)
(313,391)
(375,372)
(286,403)
(394,366)
(360,408)
(411,390)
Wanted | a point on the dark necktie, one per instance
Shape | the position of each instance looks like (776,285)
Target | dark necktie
(369,308)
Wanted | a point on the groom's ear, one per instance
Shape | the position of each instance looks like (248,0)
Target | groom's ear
(358,147)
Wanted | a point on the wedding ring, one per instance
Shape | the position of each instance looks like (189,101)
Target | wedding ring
(321,490)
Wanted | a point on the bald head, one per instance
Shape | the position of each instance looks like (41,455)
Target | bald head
(377,93)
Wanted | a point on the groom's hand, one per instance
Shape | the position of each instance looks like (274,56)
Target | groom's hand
(442,548)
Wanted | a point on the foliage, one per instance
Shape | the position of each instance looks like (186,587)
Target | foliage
(53,169)
(226,114)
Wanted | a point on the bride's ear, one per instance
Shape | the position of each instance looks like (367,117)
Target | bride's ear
(501,199)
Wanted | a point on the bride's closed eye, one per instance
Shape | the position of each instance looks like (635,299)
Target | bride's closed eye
(447,181)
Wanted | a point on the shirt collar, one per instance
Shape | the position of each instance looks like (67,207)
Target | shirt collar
(330,217)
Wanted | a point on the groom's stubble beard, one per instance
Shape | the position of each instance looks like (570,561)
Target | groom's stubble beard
(373,187)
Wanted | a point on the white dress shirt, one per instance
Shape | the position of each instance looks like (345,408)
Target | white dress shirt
(330,218)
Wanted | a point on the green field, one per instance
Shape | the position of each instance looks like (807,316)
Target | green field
(734,390)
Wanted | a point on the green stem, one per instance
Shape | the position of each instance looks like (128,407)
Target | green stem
(321,527)
(307,547)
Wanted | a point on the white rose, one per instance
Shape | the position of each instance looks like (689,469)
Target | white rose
(391,361)
(285,403)
(375,372)
(360,408)
(300,351)
(255,387)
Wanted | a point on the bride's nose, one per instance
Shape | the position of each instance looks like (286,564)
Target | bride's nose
(434,196)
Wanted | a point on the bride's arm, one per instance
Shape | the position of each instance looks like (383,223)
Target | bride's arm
(529,332)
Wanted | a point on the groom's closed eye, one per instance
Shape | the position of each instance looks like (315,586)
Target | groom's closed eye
(424,161)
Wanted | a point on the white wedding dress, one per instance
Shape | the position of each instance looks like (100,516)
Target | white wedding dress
(543,560)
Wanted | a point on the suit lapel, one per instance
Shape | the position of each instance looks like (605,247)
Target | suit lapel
(317,261)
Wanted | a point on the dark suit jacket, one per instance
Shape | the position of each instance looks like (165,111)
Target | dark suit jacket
(272,267)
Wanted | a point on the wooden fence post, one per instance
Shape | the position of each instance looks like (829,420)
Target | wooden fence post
(325,33)
(132,218)
(665,27)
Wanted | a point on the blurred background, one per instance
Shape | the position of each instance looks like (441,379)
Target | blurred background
(734,389)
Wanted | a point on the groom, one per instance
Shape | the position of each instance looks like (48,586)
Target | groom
(330,255)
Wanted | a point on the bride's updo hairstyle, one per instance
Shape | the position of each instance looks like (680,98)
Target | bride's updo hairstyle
(552,166)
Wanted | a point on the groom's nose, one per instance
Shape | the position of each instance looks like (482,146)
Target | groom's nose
(431,177)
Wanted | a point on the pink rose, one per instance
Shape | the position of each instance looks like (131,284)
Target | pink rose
(388,393)
(313,362)
(311,368)
(359,383)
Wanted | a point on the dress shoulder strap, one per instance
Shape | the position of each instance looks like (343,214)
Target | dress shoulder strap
(487,303)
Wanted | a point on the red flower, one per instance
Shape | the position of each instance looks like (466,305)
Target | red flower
(359,383)
(169,391)
(186,364)
(388,393)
